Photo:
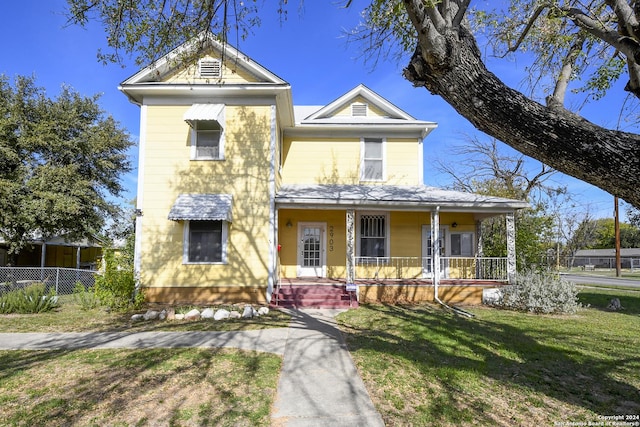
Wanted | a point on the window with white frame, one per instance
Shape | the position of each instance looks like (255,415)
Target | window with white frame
(372,167)
(373,235)
(207,139)
(461,244)
(205,242)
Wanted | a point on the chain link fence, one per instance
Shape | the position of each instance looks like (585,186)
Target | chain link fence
(61,280)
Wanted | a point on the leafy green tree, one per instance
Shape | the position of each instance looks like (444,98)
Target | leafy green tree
(634,216)
(60,161)
(481,167)
(604,235)
(596,41)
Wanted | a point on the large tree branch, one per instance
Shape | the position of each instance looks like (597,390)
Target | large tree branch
(462,9)
(625,44)
(562,82)
(427,31)
(605,158)
(626,17)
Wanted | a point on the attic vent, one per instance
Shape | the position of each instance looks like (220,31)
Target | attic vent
(358,109)
(210,68)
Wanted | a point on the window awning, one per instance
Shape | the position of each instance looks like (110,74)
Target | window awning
(199,112)
(202,207)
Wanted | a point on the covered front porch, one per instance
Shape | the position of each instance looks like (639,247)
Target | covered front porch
(390,243)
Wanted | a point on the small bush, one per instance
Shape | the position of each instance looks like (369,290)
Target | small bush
(31,299)
(116,288)
(541,292)
(85,298)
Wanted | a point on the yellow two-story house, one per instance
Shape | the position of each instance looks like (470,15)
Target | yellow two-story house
(242,194)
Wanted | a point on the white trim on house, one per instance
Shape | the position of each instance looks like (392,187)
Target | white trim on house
(421,160)
(204,40)
(142,142)
(366,93)
(272,262)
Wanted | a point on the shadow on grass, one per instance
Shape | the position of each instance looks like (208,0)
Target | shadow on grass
(205,386)
(451,349)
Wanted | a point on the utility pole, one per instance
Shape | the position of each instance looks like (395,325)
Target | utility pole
(617,233)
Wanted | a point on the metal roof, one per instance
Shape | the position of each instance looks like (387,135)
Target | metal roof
(203,112)
(392,197)
(202,207)
(608,253)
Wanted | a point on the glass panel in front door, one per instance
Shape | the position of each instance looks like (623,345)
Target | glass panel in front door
(311,250)
(427,267)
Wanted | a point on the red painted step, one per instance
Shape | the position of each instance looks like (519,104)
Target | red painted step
(317,296)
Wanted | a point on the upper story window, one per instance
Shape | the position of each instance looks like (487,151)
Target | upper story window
(210,68)
(372,164)
(207,139)
(207,131)
(359,109)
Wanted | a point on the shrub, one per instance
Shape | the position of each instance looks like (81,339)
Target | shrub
(541,292)
(85,298)
(116,287)
(31,299)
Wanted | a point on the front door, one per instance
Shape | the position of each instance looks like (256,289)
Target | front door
(427,252)
(311,249)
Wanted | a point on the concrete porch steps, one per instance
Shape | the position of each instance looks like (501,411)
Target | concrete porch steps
(313,295)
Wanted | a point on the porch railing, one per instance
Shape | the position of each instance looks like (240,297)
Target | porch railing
(61,280)
(468,268)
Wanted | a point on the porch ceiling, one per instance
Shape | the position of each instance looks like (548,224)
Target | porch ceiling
(392,197)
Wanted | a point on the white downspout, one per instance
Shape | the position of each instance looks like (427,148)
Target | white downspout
(435,239)
(272,278)
(435,259)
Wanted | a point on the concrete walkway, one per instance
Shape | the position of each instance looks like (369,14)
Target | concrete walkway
(319,384)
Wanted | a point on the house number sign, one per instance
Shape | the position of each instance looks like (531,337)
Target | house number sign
(331,238)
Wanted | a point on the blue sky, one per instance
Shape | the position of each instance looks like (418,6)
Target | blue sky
(308,50)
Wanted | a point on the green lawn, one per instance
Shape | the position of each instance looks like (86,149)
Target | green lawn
(424,366)
(160,387)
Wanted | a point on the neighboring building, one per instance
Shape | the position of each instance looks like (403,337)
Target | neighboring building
(241,191)
(606,258)
(56,252)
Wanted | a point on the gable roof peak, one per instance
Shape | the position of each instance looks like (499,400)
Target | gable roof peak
(361,92)
(191,51)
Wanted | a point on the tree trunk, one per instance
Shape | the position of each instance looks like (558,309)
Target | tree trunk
(607,159)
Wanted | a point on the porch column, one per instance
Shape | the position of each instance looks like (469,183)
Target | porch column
(351,246)
(479,242)
(43,259)
(479,250)
(43,254)
(511,247)
(435,258)
(78,258)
